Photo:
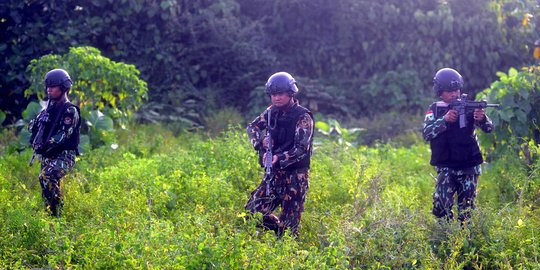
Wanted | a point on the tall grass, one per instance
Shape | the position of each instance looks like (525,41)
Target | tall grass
(160,201)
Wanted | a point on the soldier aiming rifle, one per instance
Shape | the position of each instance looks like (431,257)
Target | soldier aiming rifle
(450,126)
(463,107)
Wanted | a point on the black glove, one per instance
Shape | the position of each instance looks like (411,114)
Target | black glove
(39,148)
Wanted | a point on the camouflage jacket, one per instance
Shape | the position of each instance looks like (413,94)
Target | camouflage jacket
(303,138)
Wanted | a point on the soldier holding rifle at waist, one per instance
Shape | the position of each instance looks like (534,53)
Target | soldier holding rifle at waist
(55,138)
(285,152)
(449,126)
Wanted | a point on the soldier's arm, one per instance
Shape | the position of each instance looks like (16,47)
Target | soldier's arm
(303,138)
(486,125)
(69,122)
(255,131)
(433,126)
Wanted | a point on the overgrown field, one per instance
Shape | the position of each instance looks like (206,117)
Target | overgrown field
(160,201)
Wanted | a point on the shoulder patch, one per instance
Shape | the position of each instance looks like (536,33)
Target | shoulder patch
(71,110)
(68,120)
(304,123)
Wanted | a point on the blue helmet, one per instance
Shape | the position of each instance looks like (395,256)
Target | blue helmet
(447,79)
(58,77)
(281,82)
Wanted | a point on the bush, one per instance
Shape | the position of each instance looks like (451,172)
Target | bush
(98,82)
(517,119)
(165,201)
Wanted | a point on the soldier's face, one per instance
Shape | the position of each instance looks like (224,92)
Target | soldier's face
(54,92)
(449,96)
(280,99)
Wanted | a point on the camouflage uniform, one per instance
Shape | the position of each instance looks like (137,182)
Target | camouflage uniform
(289,186)
(450,179)
(52,170)
(58,156)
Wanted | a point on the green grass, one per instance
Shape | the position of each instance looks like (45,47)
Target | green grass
(166,202)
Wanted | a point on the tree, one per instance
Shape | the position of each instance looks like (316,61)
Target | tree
(105,90)
(99,83)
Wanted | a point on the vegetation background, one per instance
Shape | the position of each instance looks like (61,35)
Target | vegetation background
(166,87)
(354,60)
(163,201)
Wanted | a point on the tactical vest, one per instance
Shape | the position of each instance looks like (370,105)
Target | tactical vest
(55,114)
(456,148)
(284,131)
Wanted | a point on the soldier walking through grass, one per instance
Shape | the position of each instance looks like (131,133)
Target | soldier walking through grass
(55,138)
(455,152)
(285,152)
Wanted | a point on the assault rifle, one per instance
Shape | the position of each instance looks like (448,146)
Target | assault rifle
(268,156)
(37,140)
(463,106)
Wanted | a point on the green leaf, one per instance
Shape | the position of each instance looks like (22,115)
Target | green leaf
(506,115)
(322,126)
(31,111)
(2,117)
(508,101)
(523,93)
(500,74)
(24,137)
(105,123)
(512,72)
(521,117)
(98,121)
(84,143)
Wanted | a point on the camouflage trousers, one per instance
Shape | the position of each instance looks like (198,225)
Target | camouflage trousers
(52,171)
(450,182)
(288,190)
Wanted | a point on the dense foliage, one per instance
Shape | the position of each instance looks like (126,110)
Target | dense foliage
(154,197)
(106,92)
(98,83)
(162,201)
(188,51)
(517,119)
(197,55)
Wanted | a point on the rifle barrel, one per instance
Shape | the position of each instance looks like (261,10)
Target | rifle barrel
(32,159)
